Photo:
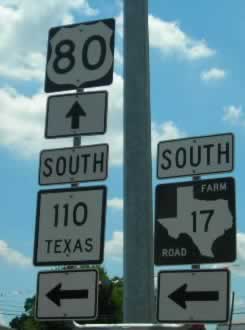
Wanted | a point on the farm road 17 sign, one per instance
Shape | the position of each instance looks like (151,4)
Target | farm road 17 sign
(195,222)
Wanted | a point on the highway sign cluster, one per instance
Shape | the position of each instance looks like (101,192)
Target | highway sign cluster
(195,223)
(70,223)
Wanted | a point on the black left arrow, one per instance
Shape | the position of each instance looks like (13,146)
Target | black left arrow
(75,113)
(181,295)
(56,294)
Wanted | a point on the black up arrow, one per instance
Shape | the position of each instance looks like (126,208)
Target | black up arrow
(75,112)
(56,294)
(180,296)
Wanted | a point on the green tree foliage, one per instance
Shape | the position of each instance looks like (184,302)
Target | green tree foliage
(110,299)
(109,309)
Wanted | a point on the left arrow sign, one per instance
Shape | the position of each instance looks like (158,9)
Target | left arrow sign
(75,113)
(56,294)
(181,296)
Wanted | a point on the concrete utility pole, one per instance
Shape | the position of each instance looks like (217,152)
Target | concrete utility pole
(138,225)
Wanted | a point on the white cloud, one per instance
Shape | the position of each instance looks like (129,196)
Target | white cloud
(22,124)
(115,203)
(165,131)
(241,246)
(114,247)
(234,115)
(68,19)
(119,24)
(12,256)
(114,134)
(171,40)
(22,121)
(3,322)
(118,57)
(213,74)
(239,302)
(24,29)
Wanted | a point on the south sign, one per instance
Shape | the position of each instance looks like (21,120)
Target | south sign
(195,156)
(69,165)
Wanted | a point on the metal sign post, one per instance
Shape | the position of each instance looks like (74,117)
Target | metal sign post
(138,226)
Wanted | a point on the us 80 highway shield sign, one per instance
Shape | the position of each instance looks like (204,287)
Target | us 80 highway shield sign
(80,55)
(195,222)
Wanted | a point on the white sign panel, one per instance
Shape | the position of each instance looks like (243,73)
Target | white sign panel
(80,55)
(67,295)
(193,296)
(76,114)
(195,156)
(69,165)
(70,226)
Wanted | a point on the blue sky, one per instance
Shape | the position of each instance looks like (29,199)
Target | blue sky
(197,88)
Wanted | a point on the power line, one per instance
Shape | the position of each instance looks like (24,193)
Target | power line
(7,314)
(10,305)
(9,311)
(12,309)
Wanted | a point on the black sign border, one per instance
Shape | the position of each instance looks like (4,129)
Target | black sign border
(195,271)
(198,262)
(72,133)
(70,317)
(102,237)
(75,148)
(196,173)
(50,86)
